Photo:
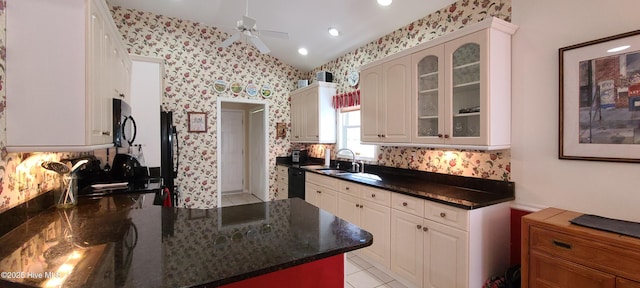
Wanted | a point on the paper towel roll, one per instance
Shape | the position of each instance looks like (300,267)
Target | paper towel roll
(327,157)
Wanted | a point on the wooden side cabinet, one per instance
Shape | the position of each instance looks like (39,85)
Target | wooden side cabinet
(556,253)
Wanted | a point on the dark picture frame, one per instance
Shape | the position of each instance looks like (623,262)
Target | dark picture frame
(197,122)
(599,111)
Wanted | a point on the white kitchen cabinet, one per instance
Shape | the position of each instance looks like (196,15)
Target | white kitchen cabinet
(313,117)
(461,96)
(407,246)
(460,91)
(386,102)
(445,256)
(442,246)
(376,219)
(70,82)
(321,191)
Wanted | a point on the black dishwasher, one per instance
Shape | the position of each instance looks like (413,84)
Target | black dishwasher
(296,182)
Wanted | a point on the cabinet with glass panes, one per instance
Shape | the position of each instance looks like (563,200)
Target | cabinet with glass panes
(461,93)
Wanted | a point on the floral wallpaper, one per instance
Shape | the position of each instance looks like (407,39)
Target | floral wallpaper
(481,164)
(192,64)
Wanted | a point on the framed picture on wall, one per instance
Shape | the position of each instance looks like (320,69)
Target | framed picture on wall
(197,122)
(600,99)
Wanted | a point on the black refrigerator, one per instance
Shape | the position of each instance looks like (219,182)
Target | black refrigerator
(170,153)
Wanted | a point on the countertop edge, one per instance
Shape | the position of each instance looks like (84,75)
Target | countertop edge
(468,206)
(284,266)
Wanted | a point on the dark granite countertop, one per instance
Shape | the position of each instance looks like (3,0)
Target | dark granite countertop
(458,191)
(126,241)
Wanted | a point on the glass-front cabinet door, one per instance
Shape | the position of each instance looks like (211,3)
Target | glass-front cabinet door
(428,102)
(466,96)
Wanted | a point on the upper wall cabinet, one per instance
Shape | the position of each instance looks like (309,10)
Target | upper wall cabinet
(65,63)
(460,94)
(313,118)
(386,108)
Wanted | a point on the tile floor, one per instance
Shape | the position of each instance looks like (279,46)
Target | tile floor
(232,199)
(358,273)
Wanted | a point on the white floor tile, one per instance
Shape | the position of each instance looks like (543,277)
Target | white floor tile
(347,285)
(363,279)
(361,262)
(350,267)
(394,284)
(381,275)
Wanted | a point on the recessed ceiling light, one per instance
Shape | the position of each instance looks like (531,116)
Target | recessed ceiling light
(303,51)
(618,49)
(384,2)
(334,32)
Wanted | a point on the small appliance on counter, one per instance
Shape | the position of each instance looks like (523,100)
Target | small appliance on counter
(127,167)
(299,156)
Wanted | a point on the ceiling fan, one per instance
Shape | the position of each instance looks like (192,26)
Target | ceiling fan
(247,28)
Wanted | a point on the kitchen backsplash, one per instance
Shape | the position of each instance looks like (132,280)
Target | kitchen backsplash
(495,165)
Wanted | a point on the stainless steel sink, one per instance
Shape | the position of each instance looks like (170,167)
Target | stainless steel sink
(365,176)
(333,171)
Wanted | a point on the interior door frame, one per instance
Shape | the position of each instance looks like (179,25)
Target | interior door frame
(265,105)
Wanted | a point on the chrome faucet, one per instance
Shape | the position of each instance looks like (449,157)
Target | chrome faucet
(355,167)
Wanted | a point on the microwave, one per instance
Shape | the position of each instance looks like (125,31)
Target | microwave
(299,156)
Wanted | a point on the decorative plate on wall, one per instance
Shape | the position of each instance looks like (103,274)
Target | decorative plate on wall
(251,89)
(236,88)
(266,91)
(220,85)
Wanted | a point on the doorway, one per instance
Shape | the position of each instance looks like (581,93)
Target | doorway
(242,151)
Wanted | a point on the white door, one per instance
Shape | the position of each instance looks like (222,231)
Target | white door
(232,139)
(257,155)
(146,96)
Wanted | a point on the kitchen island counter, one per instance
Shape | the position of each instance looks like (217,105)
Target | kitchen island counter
(126,241)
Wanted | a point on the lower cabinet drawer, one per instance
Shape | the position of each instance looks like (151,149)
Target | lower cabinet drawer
(325,181)
(447,215)
(409,204)
(546,271)
(601,256)
(379,196)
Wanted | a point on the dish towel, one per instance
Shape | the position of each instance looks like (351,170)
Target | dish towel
(167,198)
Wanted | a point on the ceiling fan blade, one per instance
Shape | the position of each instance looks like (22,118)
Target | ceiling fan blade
(274,34)
(259,44)
(230,41)
(248,22)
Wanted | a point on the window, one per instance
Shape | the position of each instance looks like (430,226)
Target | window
(349,137)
